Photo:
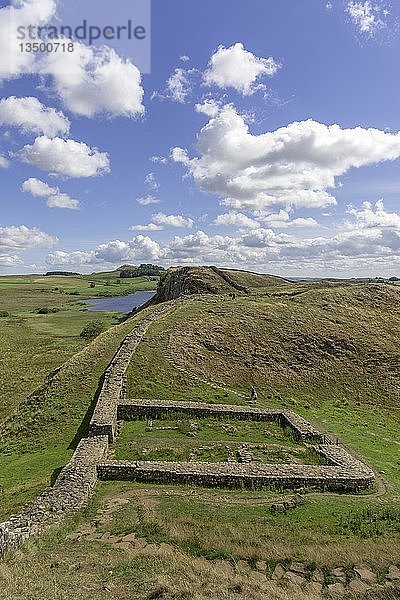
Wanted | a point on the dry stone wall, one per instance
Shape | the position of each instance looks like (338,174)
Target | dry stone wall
(344,477)
(104,419)
(77,480)
(75,484)
(71,492)
(139,409)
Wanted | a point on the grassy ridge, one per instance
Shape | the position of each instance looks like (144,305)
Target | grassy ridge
(329,352)
(334,366)
(41,421)
(31,344)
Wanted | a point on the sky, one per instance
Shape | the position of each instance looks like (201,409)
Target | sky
(260,135)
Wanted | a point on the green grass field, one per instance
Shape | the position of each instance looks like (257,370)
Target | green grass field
(31,344)
(329,353)
(39,436)
(214,440)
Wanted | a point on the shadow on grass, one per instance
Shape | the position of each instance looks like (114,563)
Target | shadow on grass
(55,474)
(83,429)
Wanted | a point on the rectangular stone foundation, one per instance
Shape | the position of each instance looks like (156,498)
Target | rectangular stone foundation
(129,410)
(333,478)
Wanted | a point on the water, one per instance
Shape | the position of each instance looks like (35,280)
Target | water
(122,304)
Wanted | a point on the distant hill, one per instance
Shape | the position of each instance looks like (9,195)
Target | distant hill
(179,281)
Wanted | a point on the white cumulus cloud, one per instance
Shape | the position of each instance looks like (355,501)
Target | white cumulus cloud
(294,166)
(149,227)
(368,242)
(172,220)
(209,107)
(20,13)
(147,200)
(374,216)
(140,248)
(151,181)
(365,16)
(38,188)
(15,240)
(61,200)
(4,162)
(237,68)
(236,219)
(55,198)
(29,115)
(90,81)
(65,157)
(178,85)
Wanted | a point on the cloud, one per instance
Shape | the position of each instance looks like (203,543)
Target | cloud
(55,198)
(61,200)
(13,62)
(365,16)
(294,166)
(236,68)
(151,182)
(172,220)
(303,222)
(370,216)
(38,188)
(235,219)
(4,162)
(7,260)
(178,86)
(22,237)
(208,107)
(147,200)
(31,116)
(159,159)
(140,248)
(65,157)
(91,81)
(184,58)
(16,239)
(281,220)
(149,227)
(180,155)
(369,241)
(160,220)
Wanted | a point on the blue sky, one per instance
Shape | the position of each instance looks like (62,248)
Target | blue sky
(264,137)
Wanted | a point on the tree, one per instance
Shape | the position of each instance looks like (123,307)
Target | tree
(92,330)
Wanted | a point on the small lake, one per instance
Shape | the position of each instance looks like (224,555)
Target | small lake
(122,304)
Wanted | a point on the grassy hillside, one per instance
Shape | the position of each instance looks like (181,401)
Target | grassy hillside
(44,430)
(32,344)
(255,280)
(329,351)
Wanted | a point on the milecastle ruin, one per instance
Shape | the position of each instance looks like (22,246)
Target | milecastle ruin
(76,482)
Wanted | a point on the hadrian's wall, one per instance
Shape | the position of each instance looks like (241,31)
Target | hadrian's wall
(342,478)
(71,492)
(104,419)
(77,480)
(139,409)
